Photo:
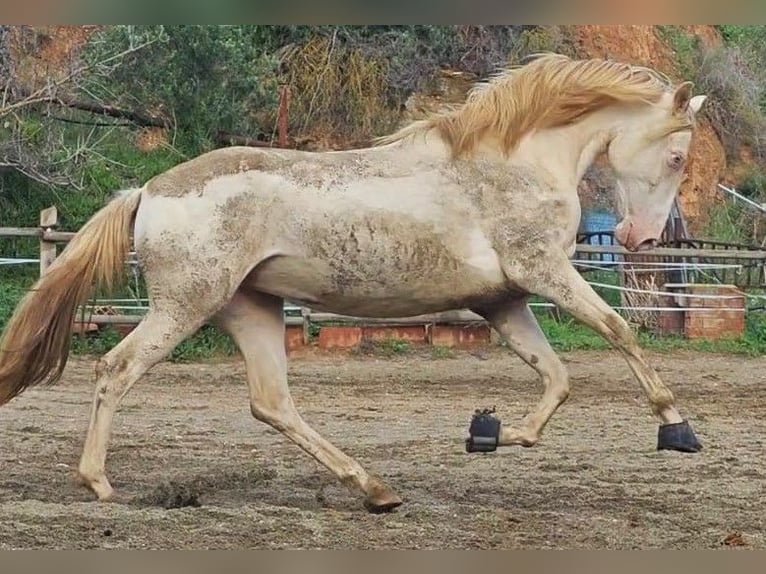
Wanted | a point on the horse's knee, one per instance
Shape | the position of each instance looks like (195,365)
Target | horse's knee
(108,366)
(102,368)
(558,389)
(110,379)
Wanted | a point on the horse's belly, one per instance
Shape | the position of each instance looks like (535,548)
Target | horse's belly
(373,289)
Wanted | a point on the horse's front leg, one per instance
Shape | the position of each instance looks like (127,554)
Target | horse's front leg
(551,275)
(516,323)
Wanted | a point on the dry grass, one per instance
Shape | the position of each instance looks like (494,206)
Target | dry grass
(336,92)
(737,89)
(638,316)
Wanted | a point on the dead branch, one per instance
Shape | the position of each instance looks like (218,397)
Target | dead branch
(88,123)
(34,174)
(226,138)
(136,117)
(45,93)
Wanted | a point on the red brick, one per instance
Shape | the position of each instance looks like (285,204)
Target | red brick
(460,336)
(411,333)
(725,317)
(670,323)
(733,324)
(339,337)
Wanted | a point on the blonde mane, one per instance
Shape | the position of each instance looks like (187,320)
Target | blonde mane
(552,90)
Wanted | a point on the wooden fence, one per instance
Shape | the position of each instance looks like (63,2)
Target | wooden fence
(300,318)
(46,233)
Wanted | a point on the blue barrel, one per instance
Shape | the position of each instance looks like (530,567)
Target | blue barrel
(599,222)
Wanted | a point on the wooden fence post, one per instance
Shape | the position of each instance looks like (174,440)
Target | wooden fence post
(48,222)
(284,106)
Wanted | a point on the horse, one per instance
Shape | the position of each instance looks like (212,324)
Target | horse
(475,207)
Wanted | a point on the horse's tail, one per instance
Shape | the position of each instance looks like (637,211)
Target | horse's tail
(35,345)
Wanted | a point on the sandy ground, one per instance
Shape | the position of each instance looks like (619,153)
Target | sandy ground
(184,435)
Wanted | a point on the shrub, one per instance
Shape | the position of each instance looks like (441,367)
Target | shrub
(203,78)
(737,90)
(733,77)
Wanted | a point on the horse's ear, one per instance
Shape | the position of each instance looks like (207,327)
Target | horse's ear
(696,103)
(682,96)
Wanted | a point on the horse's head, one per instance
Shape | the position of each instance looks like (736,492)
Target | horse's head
(648,154)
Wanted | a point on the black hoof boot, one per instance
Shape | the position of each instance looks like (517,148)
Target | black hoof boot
(484,432)
(677,436)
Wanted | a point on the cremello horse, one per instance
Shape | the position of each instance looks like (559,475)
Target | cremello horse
(473,208)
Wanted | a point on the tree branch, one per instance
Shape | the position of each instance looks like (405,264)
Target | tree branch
(86,123)
(33,174)
(39,95)
(139,118)
(226,138)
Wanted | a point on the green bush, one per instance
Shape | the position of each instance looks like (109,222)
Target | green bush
(734,78)
(204,78)
(12,289)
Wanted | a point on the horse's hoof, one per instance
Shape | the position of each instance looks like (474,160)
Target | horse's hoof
(98,486)
(484,432)
(374,507)
(677,436)
(381,498)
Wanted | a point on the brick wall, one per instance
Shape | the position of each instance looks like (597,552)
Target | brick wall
(461,336)
(701,318)
(725,319)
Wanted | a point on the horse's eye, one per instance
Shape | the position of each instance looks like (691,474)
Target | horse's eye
(676,160)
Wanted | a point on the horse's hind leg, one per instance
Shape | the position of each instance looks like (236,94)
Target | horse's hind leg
(515,322)
(156,336)
(256,323)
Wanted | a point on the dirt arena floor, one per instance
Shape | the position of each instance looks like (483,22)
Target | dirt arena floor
(185,436)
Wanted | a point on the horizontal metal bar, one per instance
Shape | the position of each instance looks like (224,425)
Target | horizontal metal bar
(6,261)
(461,316)
(135,319)
(675,252)
(758,206)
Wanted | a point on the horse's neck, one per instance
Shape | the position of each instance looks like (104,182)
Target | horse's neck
(567,152)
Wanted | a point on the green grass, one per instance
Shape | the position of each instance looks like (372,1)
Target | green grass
(95,344)
(684,45)
(442,352)
(12,288)
(568,335)
(384,348)
(206,344)
(564,334)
